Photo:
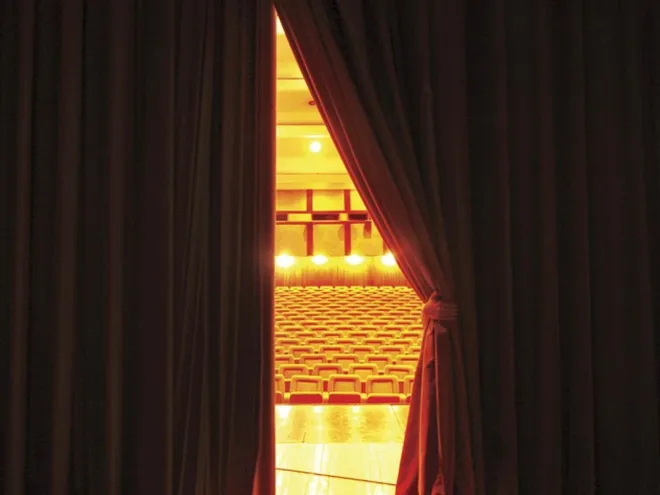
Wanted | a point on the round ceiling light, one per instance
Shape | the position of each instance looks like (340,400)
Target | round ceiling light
(315,146)
(354,259)
(285,261)
(388,259)
(319,259)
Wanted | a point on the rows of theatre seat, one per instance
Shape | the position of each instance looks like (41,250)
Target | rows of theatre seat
(346,345)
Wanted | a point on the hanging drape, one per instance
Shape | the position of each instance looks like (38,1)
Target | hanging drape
(136,234)
(508,152)
(372,80)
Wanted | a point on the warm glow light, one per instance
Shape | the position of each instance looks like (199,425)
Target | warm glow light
(314,146)
(354,259)
(278,26)
(388,259)
(319,259)
(284,260)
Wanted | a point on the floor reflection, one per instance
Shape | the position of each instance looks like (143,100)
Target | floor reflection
(343,450)
(340,424)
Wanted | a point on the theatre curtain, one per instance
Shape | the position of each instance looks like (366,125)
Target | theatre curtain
(136,247)
(509,154)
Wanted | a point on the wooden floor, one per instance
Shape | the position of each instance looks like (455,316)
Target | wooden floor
(338,450)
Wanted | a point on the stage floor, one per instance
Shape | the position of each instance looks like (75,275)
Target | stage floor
(338,450)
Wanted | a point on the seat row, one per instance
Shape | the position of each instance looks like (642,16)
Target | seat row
(346,359)
(343,389)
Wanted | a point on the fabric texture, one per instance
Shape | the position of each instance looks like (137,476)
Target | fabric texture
(136,247)
(509,154)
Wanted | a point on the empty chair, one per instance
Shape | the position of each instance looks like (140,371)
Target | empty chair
(291,370)
(345,360)
(306,334)
(280,389)
(306,390)
(325,370)
(279,382)
(312,359)
(330,336)
(408,360)
(315,342)
(363,371)
(329,350)
(380,360)
(299,350)
(386,335)
(374,342)
(283,359)
(402,342)
(408,386)
(383,390)
(361,351)
(358,335)
(346,342)
(344,389)
(379,322)
(415,349)
(401,372)
(288,342)
(394,351)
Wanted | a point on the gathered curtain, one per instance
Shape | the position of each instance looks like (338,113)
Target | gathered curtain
(508,152)
(136,247)
(372,81)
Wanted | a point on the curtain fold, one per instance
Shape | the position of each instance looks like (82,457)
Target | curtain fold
(508,153)
(136,220)
(369,68)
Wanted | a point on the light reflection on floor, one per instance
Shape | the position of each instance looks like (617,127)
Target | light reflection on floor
(339,450)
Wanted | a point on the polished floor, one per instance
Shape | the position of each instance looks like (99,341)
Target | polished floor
(338,450)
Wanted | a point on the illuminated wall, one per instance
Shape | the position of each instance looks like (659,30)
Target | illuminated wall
(328,222)
(326,237)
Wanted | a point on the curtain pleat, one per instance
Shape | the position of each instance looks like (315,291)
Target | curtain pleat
(136,247)
(508,152)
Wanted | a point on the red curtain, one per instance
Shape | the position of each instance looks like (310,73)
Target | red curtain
(367,85)
(508,152)
(136,247)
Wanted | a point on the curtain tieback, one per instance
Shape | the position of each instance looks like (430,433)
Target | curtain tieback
(439,310)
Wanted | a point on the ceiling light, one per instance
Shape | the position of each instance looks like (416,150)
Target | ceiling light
(388,259)
(319,259)
(284,260)
(354,259)
(314,146)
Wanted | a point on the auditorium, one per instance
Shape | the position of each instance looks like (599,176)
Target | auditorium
(348,327)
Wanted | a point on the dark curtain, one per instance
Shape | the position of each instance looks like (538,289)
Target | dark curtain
(509,153)
(136,246)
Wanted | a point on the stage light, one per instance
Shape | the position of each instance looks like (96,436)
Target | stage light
(354,259)
(388,259)
(319,259)
(285,261)
(278,26)
(314,146)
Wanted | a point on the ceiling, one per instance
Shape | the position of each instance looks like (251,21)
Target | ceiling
(306,156)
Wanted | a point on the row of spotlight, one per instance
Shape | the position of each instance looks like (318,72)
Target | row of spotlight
(286,260)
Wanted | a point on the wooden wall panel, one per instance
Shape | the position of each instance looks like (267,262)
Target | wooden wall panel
(336,272)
